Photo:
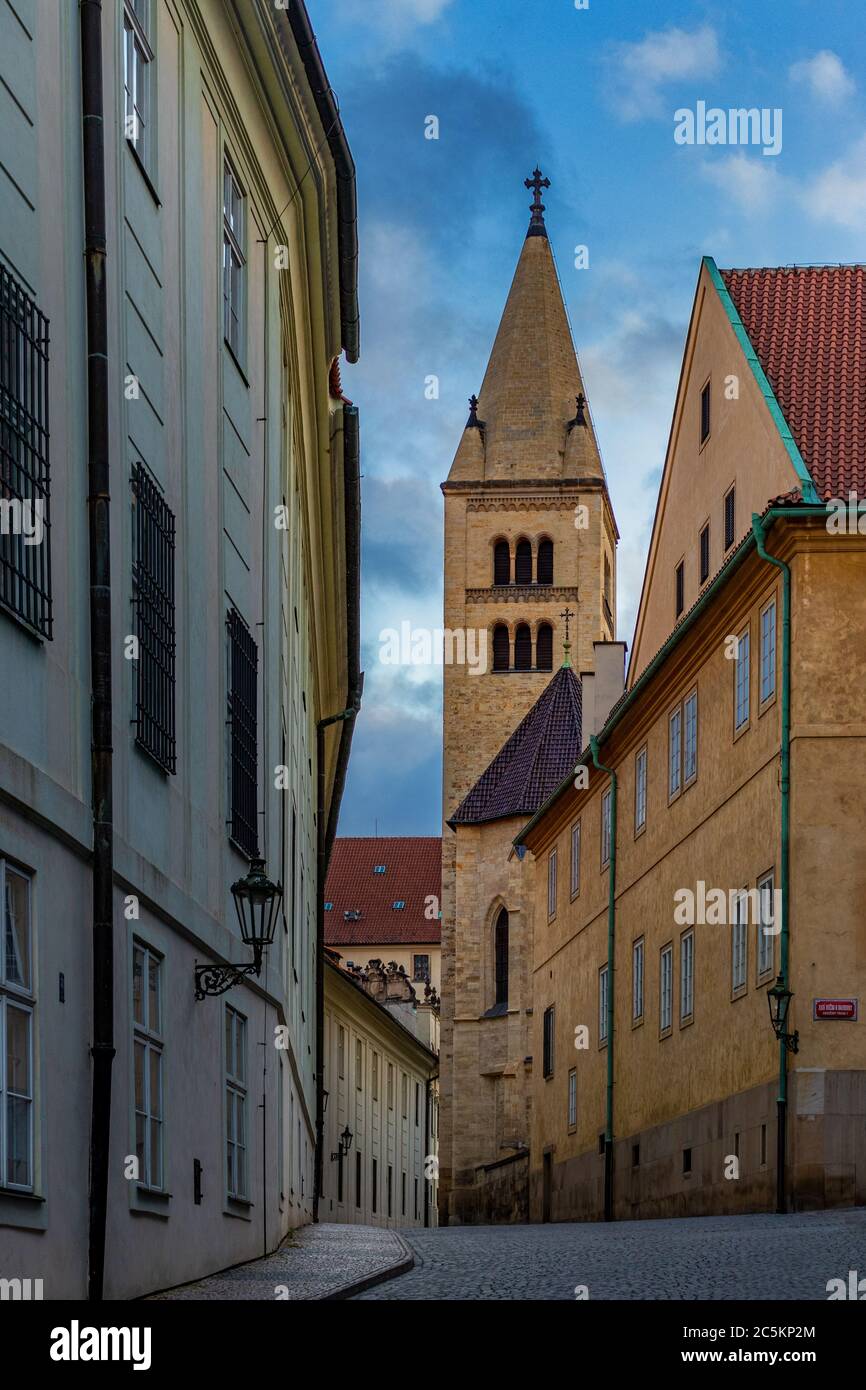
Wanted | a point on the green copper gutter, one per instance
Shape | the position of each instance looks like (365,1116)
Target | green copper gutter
(611,943)
(759,532)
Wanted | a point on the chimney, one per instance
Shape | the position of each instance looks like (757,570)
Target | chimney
(602,687)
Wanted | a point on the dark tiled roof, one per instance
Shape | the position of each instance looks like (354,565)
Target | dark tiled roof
(413,873)
(808,327)
(545,744)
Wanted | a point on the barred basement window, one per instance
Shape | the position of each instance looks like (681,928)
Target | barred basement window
(243,735)
(153,600)
(25,551)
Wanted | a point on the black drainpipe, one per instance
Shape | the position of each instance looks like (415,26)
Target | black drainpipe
(102,1050)
(325,834)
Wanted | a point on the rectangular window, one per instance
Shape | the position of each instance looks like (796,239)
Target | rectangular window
(705,554)
(767,925)
(237,1178)
(687,976)
(375,1076)
(602,1003)
(374,1187)
(403,1194)
(390,1086)
(768,651)
(25,532)
(153,535)
(738,943)
(680,587)
(551,884)
(390,1190)
(341,1052)
(640,790)
(416,1199)
(575,859)
(359,1195)
(359,1065)
(137,60)
(234,259)
(666,981)
(421,969)
(730,518)
(16,1032)
(675,735)
(741,677)
(404,1096)
(548,1042)
(147,1044)
(705,413)
(690,738)
(637,959)
(243,735)
(417,1103)
(605,828)
(572,1098)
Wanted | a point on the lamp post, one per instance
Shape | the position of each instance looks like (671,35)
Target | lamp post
(779,1001)
(256,900)
(344,1144)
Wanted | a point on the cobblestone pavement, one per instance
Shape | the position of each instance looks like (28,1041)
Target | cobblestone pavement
(717,1257)
(315,1263)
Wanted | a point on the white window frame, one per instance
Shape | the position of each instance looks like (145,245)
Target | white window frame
(572,1098)
(638,957)
(341,1052)
(359,1065)
(237,1128)
(605,828)
(575,859)
(603,978)
(234,258)
(765,955)
(739,943)
(551,884)
(148,1041)
(666,987)
(640,770)
(690,738)
(687,976)
(675,752)
(138,57)
(16,994)
(767,661)
(742,680)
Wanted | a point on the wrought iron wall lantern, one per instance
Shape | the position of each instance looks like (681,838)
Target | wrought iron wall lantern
(257,902)
(779,999)
(344,1145)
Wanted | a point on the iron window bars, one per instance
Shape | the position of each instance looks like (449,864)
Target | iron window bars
(25,549)
(153,599)
(243,735)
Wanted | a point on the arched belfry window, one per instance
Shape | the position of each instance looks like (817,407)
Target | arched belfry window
(500,957)
(523,563)
(500,648)
(523,648)
(545,562)
(544,648)
(501,563)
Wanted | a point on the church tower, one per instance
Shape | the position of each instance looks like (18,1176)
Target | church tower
(530,546)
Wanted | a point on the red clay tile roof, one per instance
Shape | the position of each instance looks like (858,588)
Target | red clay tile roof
(808,327)
(413,873)
(545,744)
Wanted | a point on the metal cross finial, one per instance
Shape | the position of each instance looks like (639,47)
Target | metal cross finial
(536,183)
(567,615)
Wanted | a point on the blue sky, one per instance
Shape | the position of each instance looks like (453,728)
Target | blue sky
(590,94)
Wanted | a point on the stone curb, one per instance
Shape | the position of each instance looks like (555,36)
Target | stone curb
(380,1276)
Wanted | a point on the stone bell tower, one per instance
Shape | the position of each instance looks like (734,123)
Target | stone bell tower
(530,536)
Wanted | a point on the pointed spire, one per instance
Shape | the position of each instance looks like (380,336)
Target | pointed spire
(536,222)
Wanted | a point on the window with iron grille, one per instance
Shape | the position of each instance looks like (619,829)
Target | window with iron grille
(680,588)
(153,600)
(25,550)
(548,1042)
(243,735)
(730,510)
(705,553)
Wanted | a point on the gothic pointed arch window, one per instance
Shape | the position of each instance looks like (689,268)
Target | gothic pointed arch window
(501,563)
(523,648)
(544,648)
(500,957)
(545,561)
(523,563)
(500,647)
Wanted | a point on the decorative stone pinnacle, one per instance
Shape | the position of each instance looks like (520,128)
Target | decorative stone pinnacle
(580,416)
(473,422)
(536,207)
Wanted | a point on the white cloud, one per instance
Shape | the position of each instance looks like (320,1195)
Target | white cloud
(639,71)
(394,17)
(826,77)
(751,183)
(839,193)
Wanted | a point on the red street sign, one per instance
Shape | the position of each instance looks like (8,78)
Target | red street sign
(835,1008)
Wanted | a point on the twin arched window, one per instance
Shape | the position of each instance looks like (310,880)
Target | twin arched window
(523,562)
(523,648)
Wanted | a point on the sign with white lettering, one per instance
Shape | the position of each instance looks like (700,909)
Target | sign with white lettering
(835,1008)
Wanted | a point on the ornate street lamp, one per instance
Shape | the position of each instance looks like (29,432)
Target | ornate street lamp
(344,1145)
(779,1000)
(257,902)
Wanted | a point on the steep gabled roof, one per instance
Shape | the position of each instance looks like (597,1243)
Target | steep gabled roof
(807,325)
(545,744)
(412,875)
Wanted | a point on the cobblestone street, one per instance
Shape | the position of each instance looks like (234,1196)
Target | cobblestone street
(715,1257)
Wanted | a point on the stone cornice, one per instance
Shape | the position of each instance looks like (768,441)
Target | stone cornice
(561,502)
(590,483)
(522,593)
